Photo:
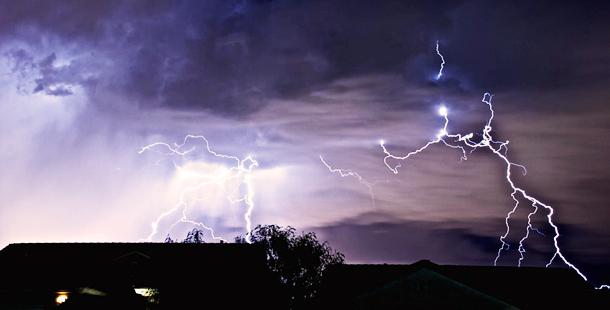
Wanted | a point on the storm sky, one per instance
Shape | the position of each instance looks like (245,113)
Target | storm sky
(85,85)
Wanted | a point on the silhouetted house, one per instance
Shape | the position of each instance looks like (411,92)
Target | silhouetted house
(425,285)
(107,275)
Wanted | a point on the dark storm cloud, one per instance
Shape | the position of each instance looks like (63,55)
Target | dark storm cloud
(50,78)
(44,75)
(244,55)
(69,19)
(25,69)
(394,240)
(527,45)
(232,57)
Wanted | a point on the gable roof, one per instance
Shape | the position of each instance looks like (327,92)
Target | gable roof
(420,290)
(521,287)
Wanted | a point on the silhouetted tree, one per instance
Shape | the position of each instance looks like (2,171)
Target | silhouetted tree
(296,261)
(193,236)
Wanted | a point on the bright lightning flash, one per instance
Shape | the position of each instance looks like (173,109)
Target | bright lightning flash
(439,138)
(224,178)
(442,111)
(500,149)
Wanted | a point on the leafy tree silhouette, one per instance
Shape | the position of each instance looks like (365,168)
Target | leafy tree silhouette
(297,262)
(193,236)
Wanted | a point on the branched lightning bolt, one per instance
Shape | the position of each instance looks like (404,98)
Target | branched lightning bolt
(440,72)
(527,234)
(496,148)
(439,138)
(500,149)
(238,173)
(350,173)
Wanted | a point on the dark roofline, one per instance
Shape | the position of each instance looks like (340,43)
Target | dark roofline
(36,270)
(519,286)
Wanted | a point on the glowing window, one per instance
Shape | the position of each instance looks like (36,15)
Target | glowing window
(61,298)
(145,291)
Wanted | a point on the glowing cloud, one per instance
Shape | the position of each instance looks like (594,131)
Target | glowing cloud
(226,181)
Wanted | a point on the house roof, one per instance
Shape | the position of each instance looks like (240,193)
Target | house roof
(184,272)
(420,290)
(78,261)
(520,287)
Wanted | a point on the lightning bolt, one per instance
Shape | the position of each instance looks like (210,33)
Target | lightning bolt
(439,138)
(440,72)
(350,173)
(500,149)
(527,234)
(236,174)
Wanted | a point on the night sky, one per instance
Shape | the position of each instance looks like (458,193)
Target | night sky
(86,85)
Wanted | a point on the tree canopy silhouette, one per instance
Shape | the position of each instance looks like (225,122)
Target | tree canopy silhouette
(193,236)
(297,262)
